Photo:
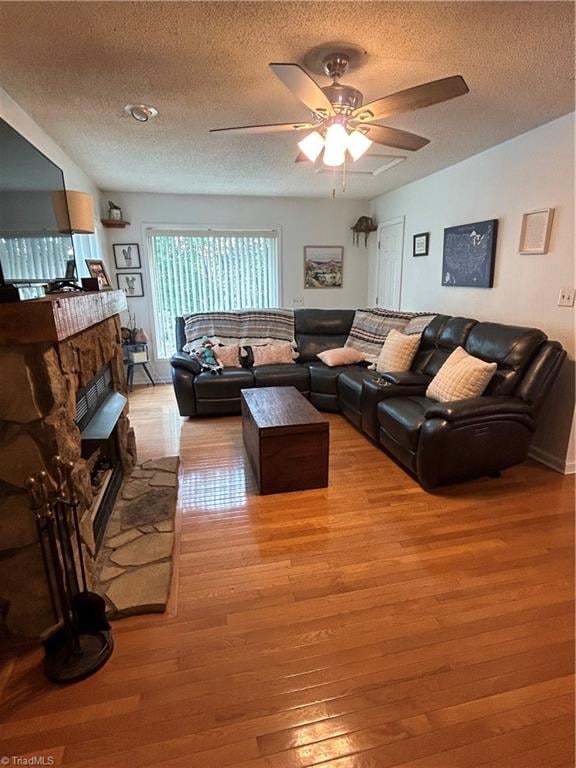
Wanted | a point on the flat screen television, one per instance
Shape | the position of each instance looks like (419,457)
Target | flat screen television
(35,239)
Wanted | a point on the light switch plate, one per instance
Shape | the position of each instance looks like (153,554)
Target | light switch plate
(566,297)
(297,301)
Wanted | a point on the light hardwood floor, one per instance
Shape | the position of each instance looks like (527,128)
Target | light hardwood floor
(366,625)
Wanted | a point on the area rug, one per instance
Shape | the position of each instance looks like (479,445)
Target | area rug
(134,565)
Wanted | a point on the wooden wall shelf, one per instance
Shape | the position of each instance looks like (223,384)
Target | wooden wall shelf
(115,223)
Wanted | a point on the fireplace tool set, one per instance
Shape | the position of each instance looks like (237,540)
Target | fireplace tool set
(82,641)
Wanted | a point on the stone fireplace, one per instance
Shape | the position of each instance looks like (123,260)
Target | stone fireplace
(62,391)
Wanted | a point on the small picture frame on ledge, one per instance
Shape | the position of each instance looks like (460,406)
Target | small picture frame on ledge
(131,284)
(421,244)
(97,269)
(536,229)
(127,255)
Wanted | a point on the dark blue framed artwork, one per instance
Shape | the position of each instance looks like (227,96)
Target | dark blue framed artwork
(469,255)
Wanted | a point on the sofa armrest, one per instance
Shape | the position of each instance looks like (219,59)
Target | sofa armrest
(478,408)
(374,390)
(186,361)
(409,378)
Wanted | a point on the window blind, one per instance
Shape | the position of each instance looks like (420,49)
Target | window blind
(209,271)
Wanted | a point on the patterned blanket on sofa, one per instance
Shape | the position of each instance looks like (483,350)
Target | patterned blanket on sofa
(245,327)
(371,327)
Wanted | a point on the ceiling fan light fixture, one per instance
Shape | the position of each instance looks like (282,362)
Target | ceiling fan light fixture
(335,145)
(358,144)
(312,145)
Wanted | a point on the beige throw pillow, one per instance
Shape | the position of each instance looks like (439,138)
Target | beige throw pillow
(228,355)
(271,354)
(397,352)
(340,356)
(462,376)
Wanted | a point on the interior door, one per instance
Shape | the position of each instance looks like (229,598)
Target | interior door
(390,250)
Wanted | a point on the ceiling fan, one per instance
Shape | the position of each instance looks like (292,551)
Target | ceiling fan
(341,123)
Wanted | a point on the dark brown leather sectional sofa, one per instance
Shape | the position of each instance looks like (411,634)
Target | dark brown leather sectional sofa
(439,443)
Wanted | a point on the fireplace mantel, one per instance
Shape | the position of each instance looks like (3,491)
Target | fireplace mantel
(57,317)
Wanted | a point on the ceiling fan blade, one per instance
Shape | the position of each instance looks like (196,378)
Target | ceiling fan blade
(272,128)
(392,137)
(301,158)
(412,98)
(304,88)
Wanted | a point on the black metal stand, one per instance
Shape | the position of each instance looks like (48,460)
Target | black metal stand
(90,652)
(82,642)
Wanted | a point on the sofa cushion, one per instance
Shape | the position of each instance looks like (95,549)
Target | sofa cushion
(282,375)
(228,355)
(324,378)
(223,386)
(511,347)
(402,417)
(397,352)
(340,356)
(439,340)
(319,329)
(272,354)
(461,377)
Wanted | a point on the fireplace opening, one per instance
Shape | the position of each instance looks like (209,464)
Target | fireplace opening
(98,409)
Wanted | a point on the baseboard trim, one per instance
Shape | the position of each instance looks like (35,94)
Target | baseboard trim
(560,465)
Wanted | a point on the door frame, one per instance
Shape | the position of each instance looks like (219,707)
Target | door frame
(388,223)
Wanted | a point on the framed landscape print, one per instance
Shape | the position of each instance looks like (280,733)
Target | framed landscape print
(420,244)
(131,284)
(97,269)
(469,252)
(323,266)
(126,255)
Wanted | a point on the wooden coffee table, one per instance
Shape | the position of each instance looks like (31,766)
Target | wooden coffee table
(286,439)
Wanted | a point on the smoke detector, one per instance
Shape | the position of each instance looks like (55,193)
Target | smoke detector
(141,112)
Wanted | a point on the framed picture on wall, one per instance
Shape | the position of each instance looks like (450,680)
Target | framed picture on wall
(469,254)
(536,229)
(131,284)
(323,266)
(420,244)
(97,269)
(126,255)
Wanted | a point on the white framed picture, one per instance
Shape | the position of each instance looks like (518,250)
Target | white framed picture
(323,266)
(536,229)
(131,284)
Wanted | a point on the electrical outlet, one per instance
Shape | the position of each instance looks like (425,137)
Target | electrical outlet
(298,301)
(566,297)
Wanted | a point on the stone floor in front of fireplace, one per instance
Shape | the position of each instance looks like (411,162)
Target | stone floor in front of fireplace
(134,564)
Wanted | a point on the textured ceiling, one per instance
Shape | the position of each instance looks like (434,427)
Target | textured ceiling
(73,65)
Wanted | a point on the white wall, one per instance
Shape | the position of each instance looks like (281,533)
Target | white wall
(74,176)
(535,170)
(300,221)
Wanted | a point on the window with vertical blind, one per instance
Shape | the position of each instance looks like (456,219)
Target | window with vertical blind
(207,271)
